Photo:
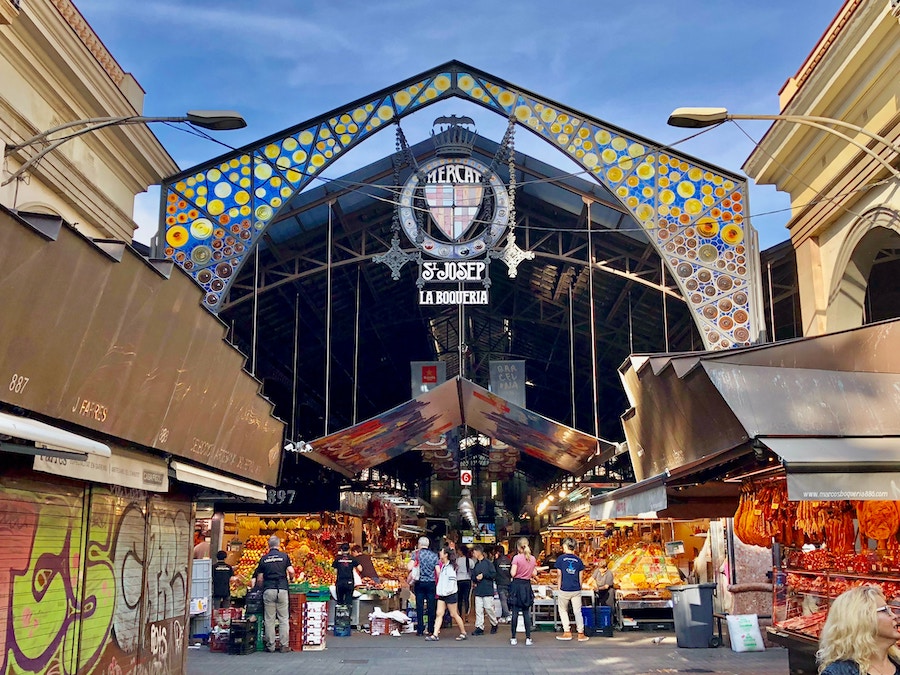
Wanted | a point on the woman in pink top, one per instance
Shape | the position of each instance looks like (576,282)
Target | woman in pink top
(521,597)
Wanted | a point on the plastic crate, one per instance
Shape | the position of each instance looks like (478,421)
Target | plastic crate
(242,638)
(223,617)
(218,642)
(341,621)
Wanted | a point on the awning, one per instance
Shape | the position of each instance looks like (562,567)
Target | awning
(678,493)
(48,440)
(655,498)
(216,481)
(447,406)
(132,355)
(821,469)
(131,469)
(837,386)
(643,499)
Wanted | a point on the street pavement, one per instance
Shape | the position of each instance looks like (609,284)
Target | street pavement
(627,653)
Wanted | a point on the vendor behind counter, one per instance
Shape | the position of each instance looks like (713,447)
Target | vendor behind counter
(365,561)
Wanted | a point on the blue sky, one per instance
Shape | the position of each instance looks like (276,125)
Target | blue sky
(281,62)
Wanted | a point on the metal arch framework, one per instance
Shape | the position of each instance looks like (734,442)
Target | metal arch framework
(695,214)
(551,246)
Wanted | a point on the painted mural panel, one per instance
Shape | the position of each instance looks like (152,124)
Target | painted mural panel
(92,580)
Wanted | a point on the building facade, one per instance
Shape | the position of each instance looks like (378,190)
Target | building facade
(845,215)
(123,405)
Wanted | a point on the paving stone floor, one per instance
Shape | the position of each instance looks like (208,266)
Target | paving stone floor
(626,653)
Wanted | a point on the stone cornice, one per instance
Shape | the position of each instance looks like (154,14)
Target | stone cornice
(87,36)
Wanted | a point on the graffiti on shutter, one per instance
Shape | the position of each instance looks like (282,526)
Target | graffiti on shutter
(124,612)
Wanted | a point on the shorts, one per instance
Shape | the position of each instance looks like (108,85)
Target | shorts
(451,599)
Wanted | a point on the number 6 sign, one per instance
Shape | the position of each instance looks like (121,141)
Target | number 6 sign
(465,477)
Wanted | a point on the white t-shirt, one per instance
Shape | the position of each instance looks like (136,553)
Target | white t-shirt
(464,568)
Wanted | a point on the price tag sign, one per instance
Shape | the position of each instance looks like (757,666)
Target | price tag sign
(465,477)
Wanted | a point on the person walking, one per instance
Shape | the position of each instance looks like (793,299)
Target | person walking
(860,635)
(521,596)
(502,565)
(273,573)
(425,587)
(345,564)
(447,594)
(464,567)
(221,582)
(483,576)
(569,569)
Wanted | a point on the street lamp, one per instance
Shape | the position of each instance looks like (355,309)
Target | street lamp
(696,118)
(215,120)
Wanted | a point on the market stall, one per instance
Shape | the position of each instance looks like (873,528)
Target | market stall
(829,547)
(311,540)
(643,574)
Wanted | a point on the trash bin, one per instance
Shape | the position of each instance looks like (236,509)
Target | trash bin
(587,616)
(603,621)
(692,611)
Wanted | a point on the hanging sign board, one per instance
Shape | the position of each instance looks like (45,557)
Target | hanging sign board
(465,477)
(674,547)
(121,468)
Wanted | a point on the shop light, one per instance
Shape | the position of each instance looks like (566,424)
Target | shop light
(562,494)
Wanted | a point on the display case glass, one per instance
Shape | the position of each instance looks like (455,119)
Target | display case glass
(802,597)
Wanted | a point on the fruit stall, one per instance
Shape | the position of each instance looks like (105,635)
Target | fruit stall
(311,541)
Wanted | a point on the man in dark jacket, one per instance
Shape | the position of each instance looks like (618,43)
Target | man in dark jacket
(483,575)
(274,573)
(503,578)
(221,582)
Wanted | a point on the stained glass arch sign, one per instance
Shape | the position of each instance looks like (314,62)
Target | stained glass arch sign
(695,214)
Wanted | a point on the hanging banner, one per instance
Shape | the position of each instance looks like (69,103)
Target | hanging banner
(508,381)
(426,375)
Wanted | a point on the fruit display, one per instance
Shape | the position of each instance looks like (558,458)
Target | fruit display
(645,570)
(254,549)
(311,559)
(311,542)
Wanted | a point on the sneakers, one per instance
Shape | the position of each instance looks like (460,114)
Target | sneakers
(513,642)
(565,636)
(284,649)
(528,642)
(462,636)
(494,629)
(478,631)
(583,638)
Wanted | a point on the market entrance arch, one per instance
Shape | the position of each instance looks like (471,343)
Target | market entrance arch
(694,214)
